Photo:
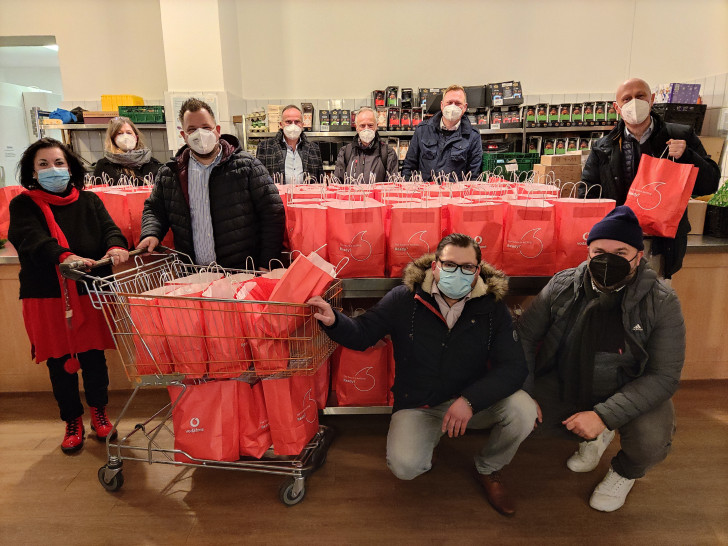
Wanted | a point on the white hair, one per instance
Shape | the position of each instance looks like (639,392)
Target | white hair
(365,109)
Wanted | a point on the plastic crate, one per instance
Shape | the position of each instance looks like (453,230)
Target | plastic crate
(496,163)
(112,102)
(686,114)
(143,114)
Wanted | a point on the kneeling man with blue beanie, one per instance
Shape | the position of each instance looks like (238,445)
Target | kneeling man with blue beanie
(609,337)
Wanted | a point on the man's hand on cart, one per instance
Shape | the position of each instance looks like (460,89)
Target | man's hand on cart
(326,313)
(88,263)
(150,243)
(117,255)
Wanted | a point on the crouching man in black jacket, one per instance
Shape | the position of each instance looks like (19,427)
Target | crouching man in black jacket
(458,362)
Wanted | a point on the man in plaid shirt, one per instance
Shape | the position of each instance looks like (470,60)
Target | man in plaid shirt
(290,153)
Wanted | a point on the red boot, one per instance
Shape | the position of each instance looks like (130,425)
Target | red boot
(73,441)
(100,424)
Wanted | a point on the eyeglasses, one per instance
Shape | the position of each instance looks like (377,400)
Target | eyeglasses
(451,267)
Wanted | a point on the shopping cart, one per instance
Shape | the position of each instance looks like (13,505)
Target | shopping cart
(145,322)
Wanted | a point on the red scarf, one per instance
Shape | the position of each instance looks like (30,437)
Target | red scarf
(74,314)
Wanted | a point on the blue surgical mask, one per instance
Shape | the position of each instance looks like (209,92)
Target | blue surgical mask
(454,285)
(54,179)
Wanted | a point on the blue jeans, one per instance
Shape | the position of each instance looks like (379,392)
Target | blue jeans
(414,433)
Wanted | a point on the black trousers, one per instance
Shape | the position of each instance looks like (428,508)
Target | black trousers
(65,385)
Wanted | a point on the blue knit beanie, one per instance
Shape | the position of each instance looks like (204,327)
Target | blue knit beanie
(620,224)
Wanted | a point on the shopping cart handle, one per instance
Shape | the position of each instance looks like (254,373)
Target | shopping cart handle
(76,270)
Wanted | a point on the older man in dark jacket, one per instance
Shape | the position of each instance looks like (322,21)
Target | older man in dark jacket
(446,145)
(609,337)
(218,200)
(289,155)
(458,363)
(615,158)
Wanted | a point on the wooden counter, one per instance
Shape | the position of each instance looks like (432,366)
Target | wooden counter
(702,286)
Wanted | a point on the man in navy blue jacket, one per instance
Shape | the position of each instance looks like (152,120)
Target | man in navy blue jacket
(458,362)
(446,144)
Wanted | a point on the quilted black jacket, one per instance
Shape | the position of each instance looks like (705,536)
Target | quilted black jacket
(247,212)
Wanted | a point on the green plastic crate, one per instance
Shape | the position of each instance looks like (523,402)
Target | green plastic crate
(143,114)
(496,162)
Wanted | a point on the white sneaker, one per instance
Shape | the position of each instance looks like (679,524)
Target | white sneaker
(611,492)
(587,457)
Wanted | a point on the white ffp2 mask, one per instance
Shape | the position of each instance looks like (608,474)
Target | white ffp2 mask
(202,141)
(452,112)
(366,135)
(635,111)
(292,131)
(126,142)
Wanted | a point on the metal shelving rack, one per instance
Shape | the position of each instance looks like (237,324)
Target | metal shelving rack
(523,132)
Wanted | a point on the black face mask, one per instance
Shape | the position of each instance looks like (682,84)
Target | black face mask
(610,271)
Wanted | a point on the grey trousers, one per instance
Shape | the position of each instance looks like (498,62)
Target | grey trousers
(414,433)
(645,441)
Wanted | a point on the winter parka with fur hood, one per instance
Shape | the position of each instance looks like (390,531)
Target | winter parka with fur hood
(480,358)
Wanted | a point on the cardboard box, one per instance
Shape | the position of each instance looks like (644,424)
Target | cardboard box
(696,216)
(568,159)
(390,95)
(680,93)
(381,117)
(564,173)
(714,146)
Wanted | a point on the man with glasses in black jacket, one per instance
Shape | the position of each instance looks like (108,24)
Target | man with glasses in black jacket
(458,362)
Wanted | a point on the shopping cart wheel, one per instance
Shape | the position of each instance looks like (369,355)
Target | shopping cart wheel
(287,495)
(114,483)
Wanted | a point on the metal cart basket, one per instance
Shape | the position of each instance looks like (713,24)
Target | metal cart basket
(160,343)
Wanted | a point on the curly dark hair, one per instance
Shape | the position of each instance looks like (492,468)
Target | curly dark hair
(26,165)
(458,239)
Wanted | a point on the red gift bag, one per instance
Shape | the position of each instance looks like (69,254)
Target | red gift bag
(152,355)
(528,241)
(322,382)
(292,412)
(269,354)
(306,228)
(360,378)
(183,321)
(574,220)
(483,222)
(228,350)
(356,231)
(117,206)
(255,436)
(415,230)
(307,276)
(659,194)
(6,195)
(206,422)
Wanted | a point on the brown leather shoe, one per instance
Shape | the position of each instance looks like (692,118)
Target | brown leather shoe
(496,493)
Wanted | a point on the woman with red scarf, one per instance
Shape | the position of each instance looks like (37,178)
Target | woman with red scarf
(54,221)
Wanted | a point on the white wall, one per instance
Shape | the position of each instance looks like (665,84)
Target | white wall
(46,78)
(105,46)
(329,48)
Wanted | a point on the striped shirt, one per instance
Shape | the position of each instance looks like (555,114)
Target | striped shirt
(203,238)
(294,165)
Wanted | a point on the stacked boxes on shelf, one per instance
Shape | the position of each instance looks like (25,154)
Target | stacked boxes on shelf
(566,168)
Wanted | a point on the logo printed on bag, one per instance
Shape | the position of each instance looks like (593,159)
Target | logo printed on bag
(479,241)
(309,408)
(356,248)
(648,196)
(420,246)
(362,380)
(529,246)
(195,424)
(584,237)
